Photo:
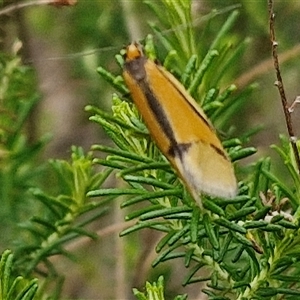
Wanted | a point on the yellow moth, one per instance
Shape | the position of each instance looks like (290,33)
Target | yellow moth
(179,127)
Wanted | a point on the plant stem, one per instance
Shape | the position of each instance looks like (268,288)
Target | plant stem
(279,84)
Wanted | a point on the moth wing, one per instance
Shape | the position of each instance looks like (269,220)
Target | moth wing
(180,129)
(185,94)
(204,166)
(204,170)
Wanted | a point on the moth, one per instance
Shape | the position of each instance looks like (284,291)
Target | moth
(179,127)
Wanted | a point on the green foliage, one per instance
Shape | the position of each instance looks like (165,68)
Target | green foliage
(64,217)
(242,248)
(155,291)
(18,148)
(39,221)
(11,287)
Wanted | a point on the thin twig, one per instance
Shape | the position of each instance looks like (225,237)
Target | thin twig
(16,6)
(293,105)
(264,67)
(102,233)
(279,84)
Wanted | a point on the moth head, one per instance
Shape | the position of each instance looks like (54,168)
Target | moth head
(133,51)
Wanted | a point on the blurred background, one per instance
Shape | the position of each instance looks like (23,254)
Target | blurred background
(65,44)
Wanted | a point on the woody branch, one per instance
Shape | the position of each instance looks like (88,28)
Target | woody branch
(279,83)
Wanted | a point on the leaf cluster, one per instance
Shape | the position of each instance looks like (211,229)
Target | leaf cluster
(18,149)
(155,291)
(39,221)
(65,216)
(14,288)
(241,248)
(237,247)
